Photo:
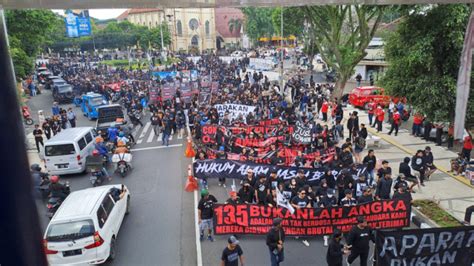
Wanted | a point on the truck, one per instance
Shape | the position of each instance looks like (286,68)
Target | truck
(108,115)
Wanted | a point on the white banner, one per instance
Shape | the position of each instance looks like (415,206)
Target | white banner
(234,110)
(261,64)
(464,78)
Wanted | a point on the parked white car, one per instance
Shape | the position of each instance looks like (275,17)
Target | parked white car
(84,229)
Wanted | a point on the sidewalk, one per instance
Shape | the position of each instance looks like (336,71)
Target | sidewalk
(454,193)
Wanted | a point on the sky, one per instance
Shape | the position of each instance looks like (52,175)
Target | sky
(99,13)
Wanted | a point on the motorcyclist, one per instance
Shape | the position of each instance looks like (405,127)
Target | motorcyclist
(122,138)
(95,161)
(127,131)
(122,153)
(57,189)
(39,178)
(112,132)
(101,147)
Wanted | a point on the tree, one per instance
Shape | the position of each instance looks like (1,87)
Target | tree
(424,54)
(28,32)
(341,34)
(293,21)
(258,22)
(235,24)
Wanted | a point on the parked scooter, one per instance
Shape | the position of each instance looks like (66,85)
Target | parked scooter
(27,116)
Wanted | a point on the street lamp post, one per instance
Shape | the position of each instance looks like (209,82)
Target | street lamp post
(281,49)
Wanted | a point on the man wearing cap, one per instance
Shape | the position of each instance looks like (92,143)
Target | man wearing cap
(232,253)
(206,213)
(275,240)
(336,250)
(358,241)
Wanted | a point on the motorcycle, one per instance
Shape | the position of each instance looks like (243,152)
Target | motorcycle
(123,168)
(97,177)
(27,116)
(55,202)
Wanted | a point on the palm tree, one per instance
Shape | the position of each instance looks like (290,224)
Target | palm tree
(235,24)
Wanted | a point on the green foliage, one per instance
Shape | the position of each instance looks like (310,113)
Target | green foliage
(293,21)
(341,34)
(258,22)
(28,32)
(424,56)
(436,213)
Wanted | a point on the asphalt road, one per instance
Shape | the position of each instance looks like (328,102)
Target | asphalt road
(160,228)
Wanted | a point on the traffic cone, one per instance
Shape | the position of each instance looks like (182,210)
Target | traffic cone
(190,153)
(191,183)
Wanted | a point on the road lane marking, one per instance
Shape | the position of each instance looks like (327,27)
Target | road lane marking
(157,147)
(142,135)
(159,137)
(151,136)
(196,219)
(171,137)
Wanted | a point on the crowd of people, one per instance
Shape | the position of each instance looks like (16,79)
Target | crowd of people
(300,103)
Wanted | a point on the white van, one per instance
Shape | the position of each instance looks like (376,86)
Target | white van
(84,229)
(66,152)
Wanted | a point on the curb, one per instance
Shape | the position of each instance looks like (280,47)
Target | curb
(421,220)
(408,151)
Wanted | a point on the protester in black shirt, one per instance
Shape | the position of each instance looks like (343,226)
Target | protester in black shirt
(428,160)
(301,201)
(370,161)
(358,241)
(38,133)
(384,187)
(348,200)
(385,169)
(275,240)
(403,194)
(418,164)
(405,169)
(246,193)
(206,214)
(262,190)
(336,250)
(273,181)
(232,253)
(366,196)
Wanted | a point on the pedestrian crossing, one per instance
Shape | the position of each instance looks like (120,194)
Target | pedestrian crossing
(146,134)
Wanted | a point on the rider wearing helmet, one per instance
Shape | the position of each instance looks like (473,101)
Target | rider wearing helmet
(95,161)
(112,132)
(39,178)
(121,147)
(57,189)
(121,138)
(100,146)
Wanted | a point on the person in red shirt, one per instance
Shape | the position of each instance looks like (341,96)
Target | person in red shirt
(380,113)
(467,147)
(416,128)
(372,107)
(324,110)
(395,121)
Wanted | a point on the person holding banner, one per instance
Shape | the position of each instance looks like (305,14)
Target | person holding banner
(358,241)
(275,240)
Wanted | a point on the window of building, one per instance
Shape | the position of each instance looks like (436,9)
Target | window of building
(207,28)
(195,41)
(193,24)
(179,28)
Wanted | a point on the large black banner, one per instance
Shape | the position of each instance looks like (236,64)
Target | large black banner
(238,169)
(257,219)
(434,247)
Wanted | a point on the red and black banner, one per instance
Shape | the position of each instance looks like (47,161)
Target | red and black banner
(209,132)
(257,219)
(435,246)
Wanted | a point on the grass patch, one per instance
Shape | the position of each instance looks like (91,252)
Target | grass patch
(436,213)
